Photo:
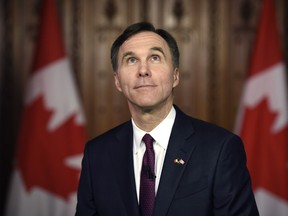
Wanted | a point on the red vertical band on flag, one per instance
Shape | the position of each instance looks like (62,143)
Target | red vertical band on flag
(264,117)
(267,47)
(49,37)
(52,134)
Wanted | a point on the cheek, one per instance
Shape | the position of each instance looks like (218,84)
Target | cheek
(171,83)
(168,81)
(122,82)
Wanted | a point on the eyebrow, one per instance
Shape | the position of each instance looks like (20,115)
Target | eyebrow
(129,53)
(158,49)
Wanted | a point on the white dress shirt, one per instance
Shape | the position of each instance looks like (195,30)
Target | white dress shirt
(161,135)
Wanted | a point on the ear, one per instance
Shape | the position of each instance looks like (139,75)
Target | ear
(176,77)
(116,81)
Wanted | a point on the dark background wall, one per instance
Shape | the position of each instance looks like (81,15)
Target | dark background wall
(214,36)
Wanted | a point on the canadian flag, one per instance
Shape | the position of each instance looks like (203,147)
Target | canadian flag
(263,118)
(52,135)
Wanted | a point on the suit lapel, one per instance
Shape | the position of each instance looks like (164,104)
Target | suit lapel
(122,157)
(179,147)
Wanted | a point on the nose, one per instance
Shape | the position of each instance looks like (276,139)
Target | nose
(144,70)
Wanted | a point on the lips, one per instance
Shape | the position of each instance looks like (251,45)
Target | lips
(144,86)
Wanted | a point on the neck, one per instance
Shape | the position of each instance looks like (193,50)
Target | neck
(147,119)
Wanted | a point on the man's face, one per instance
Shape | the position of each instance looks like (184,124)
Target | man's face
(145,72)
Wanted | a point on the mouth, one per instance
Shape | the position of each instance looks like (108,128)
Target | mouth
(144,86)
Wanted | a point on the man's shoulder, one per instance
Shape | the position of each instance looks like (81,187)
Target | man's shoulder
(201,126)
(112,133)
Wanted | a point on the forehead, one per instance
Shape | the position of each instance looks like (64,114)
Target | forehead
(144,40)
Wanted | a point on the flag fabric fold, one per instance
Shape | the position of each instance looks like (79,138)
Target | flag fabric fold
(263,117)
(52,134)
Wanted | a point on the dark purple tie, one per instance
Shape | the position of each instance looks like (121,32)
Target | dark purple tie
(147,181)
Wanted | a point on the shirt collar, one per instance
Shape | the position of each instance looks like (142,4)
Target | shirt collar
(161,133)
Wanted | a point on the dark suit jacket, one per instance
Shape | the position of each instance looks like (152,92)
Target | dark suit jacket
(213,180)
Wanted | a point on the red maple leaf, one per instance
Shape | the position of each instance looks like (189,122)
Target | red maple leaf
(267,151)
(42,153)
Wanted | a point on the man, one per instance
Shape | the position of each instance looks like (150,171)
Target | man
(191,167)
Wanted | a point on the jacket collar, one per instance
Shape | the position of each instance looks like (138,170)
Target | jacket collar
(180,148)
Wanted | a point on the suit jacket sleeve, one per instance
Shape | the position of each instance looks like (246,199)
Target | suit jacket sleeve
(85,200)
(232,185)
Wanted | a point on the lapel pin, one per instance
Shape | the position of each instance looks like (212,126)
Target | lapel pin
(179,161)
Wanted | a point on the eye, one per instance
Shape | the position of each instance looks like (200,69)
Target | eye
(155,58)
(131,60)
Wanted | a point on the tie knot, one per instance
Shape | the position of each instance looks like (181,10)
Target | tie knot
(148,140)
